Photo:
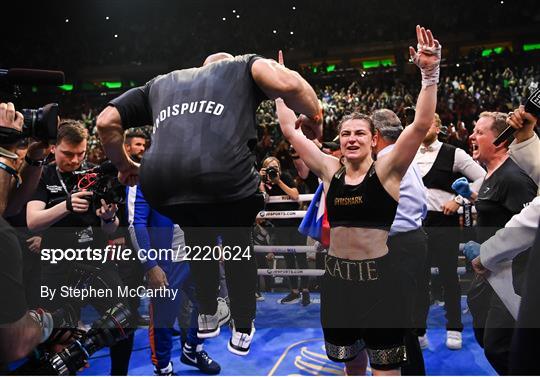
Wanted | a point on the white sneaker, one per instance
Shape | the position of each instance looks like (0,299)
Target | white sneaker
(167,371)
(209,324)
(240,342)
(424,342)
(454,340)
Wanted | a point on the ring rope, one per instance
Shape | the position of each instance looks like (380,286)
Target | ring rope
(316,272)
(285,249)
(287,199)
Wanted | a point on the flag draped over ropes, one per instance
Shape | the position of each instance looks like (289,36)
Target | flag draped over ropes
(315,222)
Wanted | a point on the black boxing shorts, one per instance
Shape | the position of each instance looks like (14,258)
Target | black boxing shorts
(361,307)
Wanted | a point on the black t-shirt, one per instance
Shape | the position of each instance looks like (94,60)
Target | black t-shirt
(204,132)
(12,296)
(74,230)
(504,194)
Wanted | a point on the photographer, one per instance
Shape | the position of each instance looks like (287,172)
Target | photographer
(274,182)
(60,206)
(20,330)
(63,211)
(30,242)
(12,198)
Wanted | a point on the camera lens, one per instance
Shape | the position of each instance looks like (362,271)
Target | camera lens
(271,172)
(31,117)
(70,360)
(41,124)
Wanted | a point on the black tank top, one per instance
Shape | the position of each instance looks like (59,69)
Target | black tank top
(366,205)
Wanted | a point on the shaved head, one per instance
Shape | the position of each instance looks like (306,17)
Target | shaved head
(217,57)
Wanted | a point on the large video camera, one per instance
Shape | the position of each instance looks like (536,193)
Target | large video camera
(115,325)
(40,124)
(103,181)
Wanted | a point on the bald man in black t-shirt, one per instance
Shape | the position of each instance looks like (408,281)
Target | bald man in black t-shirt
(200,170)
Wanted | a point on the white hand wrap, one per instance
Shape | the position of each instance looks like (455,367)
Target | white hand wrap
(430,74)
(45,321)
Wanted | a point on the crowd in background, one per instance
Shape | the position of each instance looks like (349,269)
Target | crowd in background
(496,84)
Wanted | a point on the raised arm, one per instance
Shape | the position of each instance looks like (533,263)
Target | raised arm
(319,163)
(427,58)
(111,133)
(294,131)
(277,81)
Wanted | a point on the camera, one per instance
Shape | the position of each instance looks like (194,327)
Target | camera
(102,180)
(104,332)
(271,173)
(40,124)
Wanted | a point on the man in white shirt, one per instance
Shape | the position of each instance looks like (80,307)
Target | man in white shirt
(440,164)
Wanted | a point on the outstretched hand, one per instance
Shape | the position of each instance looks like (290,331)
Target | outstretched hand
(429,49)
(427,55)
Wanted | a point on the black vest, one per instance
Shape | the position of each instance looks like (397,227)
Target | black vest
(441,175)
(366,205)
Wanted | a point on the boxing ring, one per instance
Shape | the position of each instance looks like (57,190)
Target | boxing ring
(289,340)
